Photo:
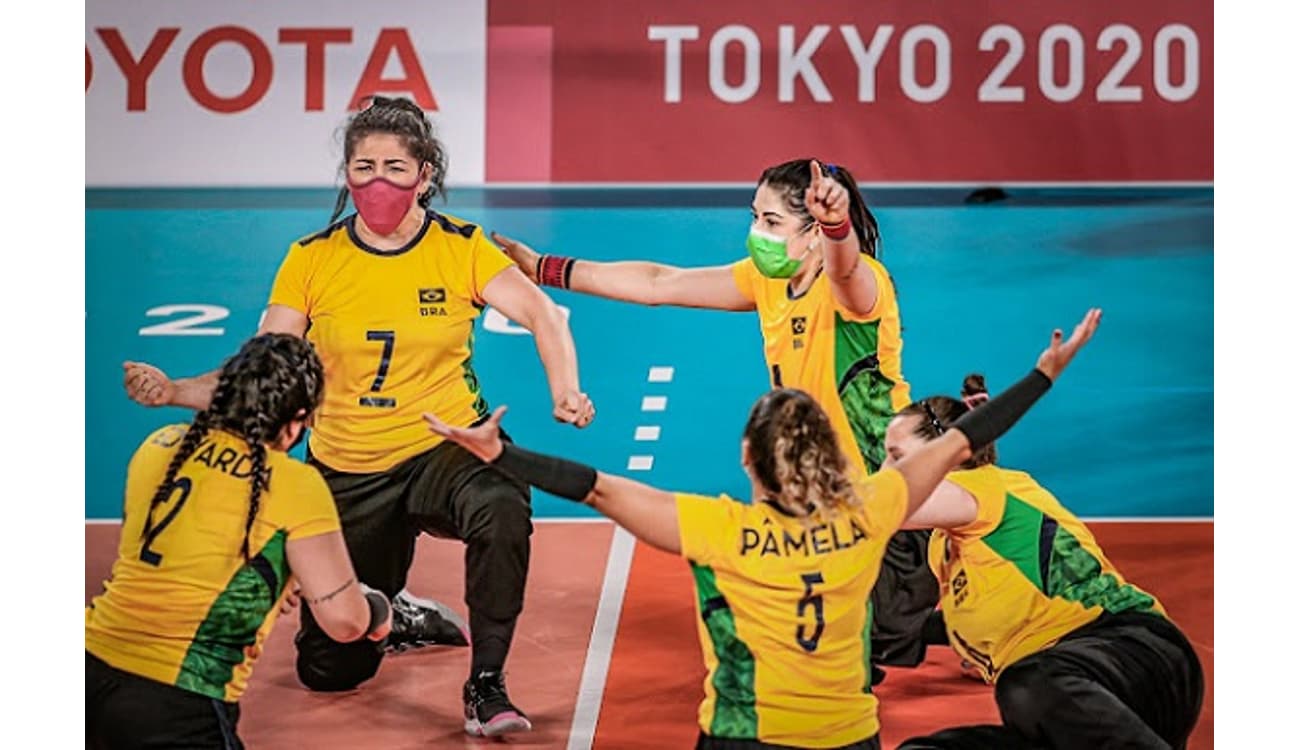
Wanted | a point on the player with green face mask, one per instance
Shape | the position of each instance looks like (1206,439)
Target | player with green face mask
(829,316)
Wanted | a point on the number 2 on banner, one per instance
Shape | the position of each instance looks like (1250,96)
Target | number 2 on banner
(186,326)
(1065,83)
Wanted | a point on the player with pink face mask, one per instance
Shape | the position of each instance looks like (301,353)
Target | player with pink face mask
(389,296)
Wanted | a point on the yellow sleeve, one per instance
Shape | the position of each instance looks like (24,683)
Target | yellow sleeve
(990,501)
(884,502)
(886,297)
(486,261)
(314,512)
(709,528)
(742,272)
(290,287)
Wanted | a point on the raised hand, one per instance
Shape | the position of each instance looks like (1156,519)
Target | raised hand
(827,200)
(524,256)
(483,441)
(1058,354)
(147,385)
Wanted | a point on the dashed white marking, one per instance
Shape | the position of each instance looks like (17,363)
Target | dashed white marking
(640,463)
(654,403)
(644,433)
(660,375)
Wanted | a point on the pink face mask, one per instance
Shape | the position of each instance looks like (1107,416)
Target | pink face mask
(382,203)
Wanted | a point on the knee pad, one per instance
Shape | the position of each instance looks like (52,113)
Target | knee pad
(342,668)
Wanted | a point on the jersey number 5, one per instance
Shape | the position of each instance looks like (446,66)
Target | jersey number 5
(814,601)
(385,358)
(151,532)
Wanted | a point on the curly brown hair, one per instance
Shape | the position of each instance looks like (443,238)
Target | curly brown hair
(796,456)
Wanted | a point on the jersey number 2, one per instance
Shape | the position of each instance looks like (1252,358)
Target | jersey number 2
(385,359)
(814,601)
(151,532)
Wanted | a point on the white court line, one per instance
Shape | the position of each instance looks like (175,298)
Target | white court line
(591,691)
(660,375)
(640,463)
(654,403)
(646,432)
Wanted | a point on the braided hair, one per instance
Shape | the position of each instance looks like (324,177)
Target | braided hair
(272,380)
(401,117)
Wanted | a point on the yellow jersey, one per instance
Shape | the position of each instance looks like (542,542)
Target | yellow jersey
(182,606)
(395,331)
(784,621)
(850,364)
(1022,575)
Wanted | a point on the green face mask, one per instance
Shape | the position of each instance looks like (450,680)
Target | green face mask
(769,254)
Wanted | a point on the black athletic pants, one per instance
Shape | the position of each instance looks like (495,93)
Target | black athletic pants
(445,492)
(125,712)
(906,593)
(1123,681)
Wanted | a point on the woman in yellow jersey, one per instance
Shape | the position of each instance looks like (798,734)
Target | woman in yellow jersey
(830,321)
(1080,657)
(217,519)
(782,583)
(389,296)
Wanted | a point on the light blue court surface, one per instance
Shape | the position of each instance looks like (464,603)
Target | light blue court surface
(1127,432)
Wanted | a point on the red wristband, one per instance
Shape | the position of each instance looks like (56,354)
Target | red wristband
(554,270)
(837,232)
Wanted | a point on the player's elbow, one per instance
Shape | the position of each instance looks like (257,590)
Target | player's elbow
(343,624)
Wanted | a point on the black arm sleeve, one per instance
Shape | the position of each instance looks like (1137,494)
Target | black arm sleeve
(567,479)
(990,421)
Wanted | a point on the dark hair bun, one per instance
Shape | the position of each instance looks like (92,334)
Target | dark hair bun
(973,385)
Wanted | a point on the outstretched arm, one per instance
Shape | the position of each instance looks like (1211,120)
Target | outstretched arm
(649,513)
(149,386)
(925,468)
(636,281)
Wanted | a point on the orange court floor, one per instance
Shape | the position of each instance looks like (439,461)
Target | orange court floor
(606,653)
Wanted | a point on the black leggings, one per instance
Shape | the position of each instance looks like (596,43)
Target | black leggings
(1125,681)
(906,593)
(445,492)
(125,711)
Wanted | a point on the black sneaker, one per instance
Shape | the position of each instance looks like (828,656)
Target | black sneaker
(488,710)
(423,622)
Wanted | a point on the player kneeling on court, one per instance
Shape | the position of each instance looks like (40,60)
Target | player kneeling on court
(217,519)
(1080,657)
(782,582)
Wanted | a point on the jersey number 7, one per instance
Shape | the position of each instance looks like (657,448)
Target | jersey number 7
(385,359)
